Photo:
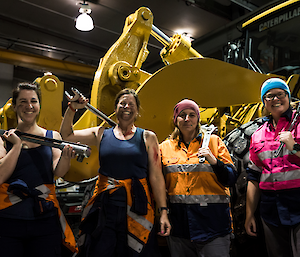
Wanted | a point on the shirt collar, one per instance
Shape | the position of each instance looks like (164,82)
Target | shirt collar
(199,136)
(287,114)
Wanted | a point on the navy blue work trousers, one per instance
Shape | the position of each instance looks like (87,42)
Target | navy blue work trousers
(30,238)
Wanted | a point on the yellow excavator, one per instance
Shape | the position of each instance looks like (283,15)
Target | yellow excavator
(227,93)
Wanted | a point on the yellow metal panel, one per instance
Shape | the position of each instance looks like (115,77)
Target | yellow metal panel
(131,49)
(210,82)
(88,168)
(52,91)
(179,49)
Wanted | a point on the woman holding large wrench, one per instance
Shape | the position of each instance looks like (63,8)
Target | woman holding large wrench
(119,217)
(197,168)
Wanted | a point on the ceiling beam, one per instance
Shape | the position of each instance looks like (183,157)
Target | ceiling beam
(245,4)
(45,64)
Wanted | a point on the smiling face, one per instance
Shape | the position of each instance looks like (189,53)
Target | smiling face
(27,106)
(276,105)
(127,109)
(187,121)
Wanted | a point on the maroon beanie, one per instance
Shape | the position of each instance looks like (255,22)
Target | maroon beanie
(185,104)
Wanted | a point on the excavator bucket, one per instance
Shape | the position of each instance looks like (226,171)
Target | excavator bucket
(209,82)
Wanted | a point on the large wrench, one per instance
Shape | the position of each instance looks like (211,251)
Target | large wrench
(208,131)
(89,107)
(81,150)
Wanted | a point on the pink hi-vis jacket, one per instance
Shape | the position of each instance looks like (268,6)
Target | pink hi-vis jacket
(278,173)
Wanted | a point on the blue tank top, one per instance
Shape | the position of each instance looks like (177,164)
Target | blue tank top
(123,159)
(34,167)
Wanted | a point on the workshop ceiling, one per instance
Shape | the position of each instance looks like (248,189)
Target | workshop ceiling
(46,27)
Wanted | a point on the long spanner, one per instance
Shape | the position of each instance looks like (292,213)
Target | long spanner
(208,131)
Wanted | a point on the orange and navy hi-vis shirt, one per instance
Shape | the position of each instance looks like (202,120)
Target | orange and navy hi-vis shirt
(138,225)
(198,197)
(8,199)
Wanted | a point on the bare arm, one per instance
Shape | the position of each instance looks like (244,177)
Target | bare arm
(9,160)
(90,136)
(61,159)
(253,194)
(157,180)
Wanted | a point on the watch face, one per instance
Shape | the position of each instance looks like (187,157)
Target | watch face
(296,147)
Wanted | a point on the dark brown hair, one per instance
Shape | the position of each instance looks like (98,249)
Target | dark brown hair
(26,86)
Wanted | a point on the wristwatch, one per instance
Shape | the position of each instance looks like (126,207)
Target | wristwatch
(296,148)
(163,208)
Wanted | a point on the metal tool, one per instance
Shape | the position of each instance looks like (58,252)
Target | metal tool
(89,107)
(208,131)
(81,151)
(277,152)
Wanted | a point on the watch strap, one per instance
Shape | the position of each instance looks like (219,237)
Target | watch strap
(296,148)
(163,208)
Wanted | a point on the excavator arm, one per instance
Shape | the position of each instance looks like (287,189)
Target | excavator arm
(228,94)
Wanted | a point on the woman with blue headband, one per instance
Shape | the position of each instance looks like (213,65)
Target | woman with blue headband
(274,176)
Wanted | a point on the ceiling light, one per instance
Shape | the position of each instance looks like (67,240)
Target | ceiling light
(84,21)
(187,35)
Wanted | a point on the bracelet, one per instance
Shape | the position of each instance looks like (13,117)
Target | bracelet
(70,106)
(163,208)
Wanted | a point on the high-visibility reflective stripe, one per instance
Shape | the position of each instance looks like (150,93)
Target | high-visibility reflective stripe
(13,198)
(42,188)
(199,199)
(138,225)
(45,190)
(63,222)
(112,183)
(139,219)
(252,166)
(280,176)
(134,244)
(188,168)
(265,155)
(86,210)
(270,154)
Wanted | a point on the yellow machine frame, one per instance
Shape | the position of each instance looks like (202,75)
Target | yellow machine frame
(228,94)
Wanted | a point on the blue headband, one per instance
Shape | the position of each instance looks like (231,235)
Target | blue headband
(273,83)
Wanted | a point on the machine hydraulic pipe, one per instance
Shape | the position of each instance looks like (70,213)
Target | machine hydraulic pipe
(160,36)
(176,48)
